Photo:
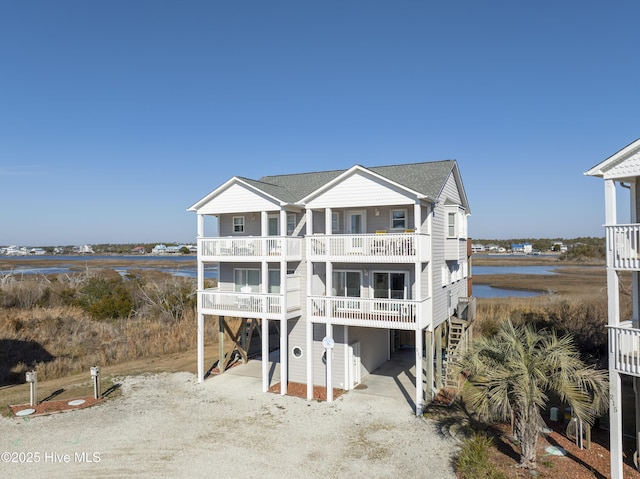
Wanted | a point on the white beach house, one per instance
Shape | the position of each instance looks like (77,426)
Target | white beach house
(621,174)
(345,262)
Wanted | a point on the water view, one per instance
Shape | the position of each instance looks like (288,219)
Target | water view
(184,266)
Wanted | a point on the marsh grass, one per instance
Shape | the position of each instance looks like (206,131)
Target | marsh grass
(45,322)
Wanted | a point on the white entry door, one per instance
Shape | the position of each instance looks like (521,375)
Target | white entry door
(355,226)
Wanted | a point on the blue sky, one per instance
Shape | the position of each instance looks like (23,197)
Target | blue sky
(117,116)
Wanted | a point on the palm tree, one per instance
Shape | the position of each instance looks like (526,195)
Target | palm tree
(509,374)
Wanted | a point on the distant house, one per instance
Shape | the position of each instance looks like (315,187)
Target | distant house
(558,246)
(84,249)
(12,250)
(159,249)
(37,251)
(521,248)
(139,250)
(477,248)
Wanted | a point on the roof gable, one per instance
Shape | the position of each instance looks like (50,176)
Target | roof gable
(356,188)
(625,163)
(235,196)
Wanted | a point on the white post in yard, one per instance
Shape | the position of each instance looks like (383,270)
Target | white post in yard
(32,379)
(419,375)
(95,376)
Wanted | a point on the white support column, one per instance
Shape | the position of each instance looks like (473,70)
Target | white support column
(309,268)
(635,275)
(328,221)
(200,344)
(419,375)
(284,324)
(329,328)
(284,374)
(265,355)
(329,334)
(309,359)
(428,342)
(615,424)
(345,358)
(200,288)
(417,294)
(615,386)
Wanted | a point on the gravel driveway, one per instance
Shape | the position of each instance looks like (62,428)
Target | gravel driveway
(168,425)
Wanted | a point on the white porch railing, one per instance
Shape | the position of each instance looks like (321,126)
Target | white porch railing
(369,248)
(623,246)
(367,312)
(250,247)
(247,305)
(624,342)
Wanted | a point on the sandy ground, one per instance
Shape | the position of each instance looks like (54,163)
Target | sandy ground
(168,425)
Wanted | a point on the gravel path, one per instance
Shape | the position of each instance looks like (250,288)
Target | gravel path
(167,425)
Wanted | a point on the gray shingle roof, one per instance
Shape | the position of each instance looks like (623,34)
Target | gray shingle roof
(426,178)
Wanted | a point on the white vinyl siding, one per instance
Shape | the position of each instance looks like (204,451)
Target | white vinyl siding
(357,190)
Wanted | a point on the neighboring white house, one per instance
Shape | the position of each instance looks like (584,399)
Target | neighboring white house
(349,263)
(84,249)
(621,174)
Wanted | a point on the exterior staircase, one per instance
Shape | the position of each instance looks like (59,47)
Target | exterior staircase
(456,345)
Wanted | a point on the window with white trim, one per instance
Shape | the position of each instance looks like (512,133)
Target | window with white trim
(451,225)
(238,224)
(335,222)
(399,220)
(291,224)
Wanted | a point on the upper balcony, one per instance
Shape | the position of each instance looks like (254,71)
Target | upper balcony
(369,248)
(624,342)
(370,312)
(250,248)
(623,247)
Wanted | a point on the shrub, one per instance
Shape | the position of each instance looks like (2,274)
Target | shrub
(474,462)
(106,299)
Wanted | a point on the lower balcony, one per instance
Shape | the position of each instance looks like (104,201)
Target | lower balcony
(372,313)
(624,342)
(248,305)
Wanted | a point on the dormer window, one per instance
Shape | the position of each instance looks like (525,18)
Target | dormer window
(399,220)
